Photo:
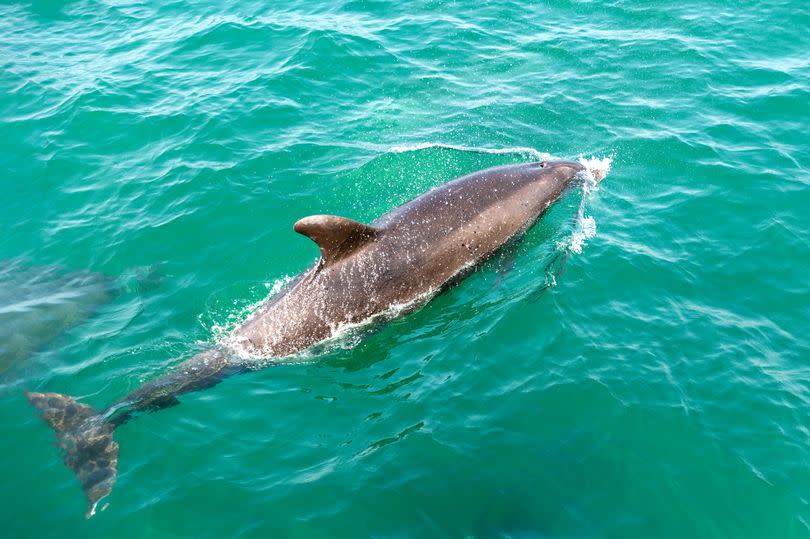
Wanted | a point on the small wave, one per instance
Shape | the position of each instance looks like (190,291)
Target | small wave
(500,151)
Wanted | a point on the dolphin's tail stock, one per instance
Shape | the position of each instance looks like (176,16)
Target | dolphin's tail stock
(85,440)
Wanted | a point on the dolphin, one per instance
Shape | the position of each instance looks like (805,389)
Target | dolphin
(40,303)
(402,258)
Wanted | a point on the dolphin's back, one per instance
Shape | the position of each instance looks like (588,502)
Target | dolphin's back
(455,203)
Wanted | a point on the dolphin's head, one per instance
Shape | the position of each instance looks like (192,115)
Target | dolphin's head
(562,170)
(533,184)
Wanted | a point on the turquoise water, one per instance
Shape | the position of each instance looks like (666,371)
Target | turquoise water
(660,389)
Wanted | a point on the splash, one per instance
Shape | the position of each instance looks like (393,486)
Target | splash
(583,227)
(586,231)
(596,167)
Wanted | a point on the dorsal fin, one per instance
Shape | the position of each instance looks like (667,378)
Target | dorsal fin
(336,236)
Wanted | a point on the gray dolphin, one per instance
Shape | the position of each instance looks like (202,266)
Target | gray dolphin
(402,258)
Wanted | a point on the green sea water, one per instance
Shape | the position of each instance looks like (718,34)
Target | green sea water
(660,389)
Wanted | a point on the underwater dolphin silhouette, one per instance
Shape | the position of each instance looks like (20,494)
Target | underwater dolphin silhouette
(416,249)
(39,303)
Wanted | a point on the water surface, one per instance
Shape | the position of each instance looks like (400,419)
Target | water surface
(660,389)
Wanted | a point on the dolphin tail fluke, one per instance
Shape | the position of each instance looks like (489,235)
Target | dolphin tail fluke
(85,440)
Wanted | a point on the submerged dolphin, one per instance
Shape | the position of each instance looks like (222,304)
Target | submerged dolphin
(403,257)
(39,303)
